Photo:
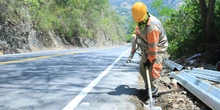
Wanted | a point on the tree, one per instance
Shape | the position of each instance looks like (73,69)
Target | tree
(162,10)
(207,14)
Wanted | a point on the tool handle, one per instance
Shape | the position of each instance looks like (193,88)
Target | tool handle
(149,88)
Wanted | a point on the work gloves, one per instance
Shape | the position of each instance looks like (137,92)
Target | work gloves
(130,57)
(147,63)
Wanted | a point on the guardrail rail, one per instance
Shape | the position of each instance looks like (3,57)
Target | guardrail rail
(205,74)
(174,66)
(207,93)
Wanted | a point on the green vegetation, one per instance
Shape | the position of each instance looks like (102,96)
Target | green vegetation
(131,30)
(67,18)
(185,32)
(162,10)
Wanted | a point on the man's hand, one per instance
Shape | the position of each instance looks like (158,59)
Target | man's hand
(129,60)
(130,57)
(147,63)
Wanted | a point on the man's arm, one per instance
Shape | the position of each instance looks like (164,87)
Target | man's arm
(153,39)
(133,49)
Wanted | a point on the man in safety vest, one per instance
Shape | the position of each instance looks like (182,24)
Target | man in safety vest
(153,42)
(1,52)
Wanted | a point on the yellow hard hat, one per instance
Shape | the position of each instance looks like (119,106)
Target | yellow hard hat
(139,11)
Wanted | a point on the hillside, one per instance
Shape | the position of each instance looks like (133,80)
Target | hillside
(123,7)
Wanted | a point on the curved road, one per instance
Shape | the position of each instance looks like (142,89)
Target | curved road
(79,79)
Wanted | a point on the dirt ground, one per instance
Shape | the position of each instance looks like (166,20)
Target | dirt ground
(172,97)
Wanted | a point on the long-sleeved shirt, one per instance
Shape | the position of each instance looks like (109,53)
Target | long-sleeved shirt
(154,39)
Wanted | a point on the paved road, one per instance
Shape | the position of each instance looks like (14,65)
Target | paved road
(80,79)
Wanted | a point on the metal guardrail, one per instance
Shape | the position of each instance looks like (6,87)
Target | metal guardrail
(207,93)
(205,74)
(174,66)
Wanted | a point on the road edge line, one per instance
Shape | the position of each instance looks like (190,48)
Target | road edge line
(73,103)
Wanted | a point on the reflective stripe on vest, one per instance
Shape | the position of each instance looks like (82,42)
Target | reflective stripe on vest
(155,38)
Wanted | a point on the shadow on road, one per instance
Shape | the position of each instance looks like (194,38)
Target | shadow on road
(141,94)
(123,89)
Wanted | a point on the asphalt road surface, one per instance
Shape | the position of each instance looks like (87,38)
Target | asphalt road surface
(77,79)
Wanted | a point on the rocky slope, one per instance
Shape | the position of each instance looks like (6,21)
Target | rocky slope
(21,37)
(17,34)
(17,37)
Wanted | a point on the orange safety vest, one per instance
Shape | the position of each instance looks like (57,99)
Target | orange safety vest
(154,38)
(154,41)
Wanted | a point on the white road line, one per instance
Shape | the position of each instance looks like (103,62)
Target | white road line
(86,90)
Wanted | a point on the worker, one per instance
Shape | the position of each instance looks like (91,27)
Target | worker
(153,43)
(134,46)
(1,51)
